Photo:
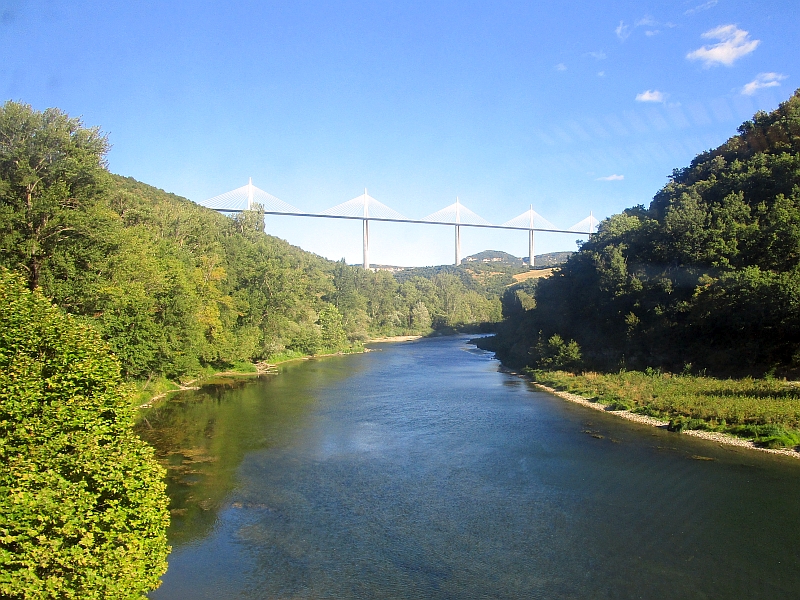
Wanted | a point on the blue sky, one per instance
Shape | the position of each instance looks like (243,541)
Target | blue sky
(571,107)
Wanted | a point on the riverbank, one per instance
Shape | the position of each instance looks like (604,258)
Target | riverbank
(394,338)
(150,392)
(407,460)
(755,414)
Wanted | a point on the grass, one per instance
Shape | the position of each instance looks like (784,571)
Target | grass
(285,355)
(244,366)
(146,390)
(764,410)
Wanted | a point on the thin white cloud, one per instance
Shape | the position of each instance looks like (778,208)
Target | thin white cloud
(651,96)
(624,31)
(597,55)
(701,7)
(614,177)
(734,44)
(763,80)
(560,67)
(601,73)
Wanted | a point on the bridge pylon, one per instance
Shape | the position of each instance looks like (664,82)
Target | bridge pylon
(530,219)
(458,215)
(364,207)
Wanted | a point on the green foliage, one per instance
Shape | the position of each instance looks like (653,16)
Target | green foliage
(333,335)
(82,504)
(709,274)
(764,410)
(678,424)
(557,354)
(420,316)
(177,289)
(50,166)
(243,366)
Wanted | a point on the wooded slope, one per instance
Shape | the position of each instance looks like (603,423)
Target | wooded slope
(175,287)
(708,275)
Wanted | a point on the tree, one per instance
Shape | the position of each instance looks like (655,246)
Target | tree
(83,512)
(333,335)
(420,317)
(707,275)
(51,167)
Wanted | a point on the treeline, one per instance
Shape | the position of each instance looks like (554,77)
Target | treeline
(175,288)
(706,277)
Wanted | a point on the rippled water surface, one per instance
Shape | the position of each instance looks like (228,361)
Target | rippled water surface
(421,471)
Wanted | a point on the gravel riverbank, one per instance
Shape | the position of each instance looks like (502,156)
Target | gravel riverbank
(720,438)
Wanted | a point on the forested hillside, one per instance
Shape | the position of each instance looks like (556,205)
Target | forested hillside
(706,277)
(175,288)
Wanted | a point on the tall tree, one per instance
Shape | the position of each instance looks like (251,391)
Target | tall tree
(51,167)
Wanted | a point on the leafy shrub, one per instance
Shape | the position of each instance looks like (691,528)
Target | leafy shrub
(558,354)
(83,512)
(333,334)
(680,423)
(769,435)
(244,366)
(619,405)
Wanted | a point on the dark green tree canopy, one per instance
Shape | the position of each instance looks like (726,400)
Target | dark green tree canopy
(708,274)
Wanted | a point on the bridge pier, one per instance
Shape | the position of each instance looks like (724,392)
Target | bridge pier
(531,255)
(458,232)
(366,229)
(366,243)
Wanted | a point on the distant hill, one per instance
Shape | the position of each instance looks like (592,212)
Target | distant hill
(488,272)
(488,259)
(551,259)
(495,256)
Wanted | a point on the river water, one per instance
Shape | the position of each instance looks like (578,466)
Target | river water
(420,470)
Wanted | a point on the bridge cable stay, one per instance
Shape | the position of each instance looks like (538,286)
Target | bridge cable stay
(587,226)
(245,197)
(458,215)
(364,206)
(528,219)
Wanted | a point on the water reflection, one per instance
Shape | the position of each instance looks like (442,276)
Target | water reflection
(421,471)
(202,436)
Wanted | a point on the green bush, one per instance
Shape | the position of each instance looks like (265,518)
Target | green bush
(618,404)
(680,423)
(333,334)
(244,366)
(558,354)
(83,512)
(769,435)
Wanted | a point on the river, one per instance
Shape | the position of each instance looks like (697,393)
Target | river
(420,470)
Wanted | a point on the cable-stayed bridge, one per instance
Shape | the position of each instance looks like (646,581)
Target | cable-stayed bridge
(365,208)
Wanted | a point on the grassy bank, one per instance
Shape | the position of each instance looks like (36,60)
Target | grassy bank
(766,411)
(145,392)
